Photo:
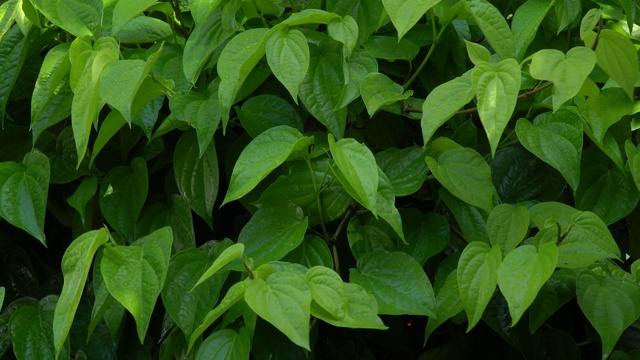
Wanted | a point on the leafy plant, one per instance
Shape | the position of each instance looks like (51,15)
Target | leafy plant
(369,171)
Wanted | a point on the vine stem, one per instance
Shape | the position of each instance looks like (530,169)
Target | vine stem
(435,41)
(334,238)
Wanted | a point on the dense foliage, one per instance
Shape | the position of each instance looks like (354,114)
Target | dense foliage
(339,179)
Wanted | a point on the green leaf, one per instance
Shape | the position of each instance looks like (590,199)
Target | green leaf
(379,90)
(448,304)
(263,112)
(197,177)
(617,56)
(321,90)
(284,300)
(263,154)
(589,21)
(633,161)
(477,53)
(566,72)
(405,168)
(367,234)
(567,12)
(225,344)
(124,11)
(327,291)
(13,50)
(313,251)
(2,293)
(443,102)
(497,89)
(201,9)
(426,234)
(405,14)
(201,110)
(236,61)
(389,48)
(175,212)
(555,138)
(466,175)
(8,11)
(135,274)
(344,30)
(23,193)
(588,240)
(109,128)
(397,281)
(547,214)
(507,226)
(76,263)
(229,254)
(310,16)
(472,220)
(272,232)
(522,274)
(610,305)
(360,63)
(494,27)
(557,291)
(80,18)
(386,205)
(477,278)
(357,170)
(122,195)
(361,310)
(602,108)
(288,57)
(525,23)
(143,30)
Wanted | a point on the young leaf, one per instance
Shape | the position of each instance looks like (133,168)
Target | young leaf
(477,278)
(288,57)
(466,175)
(344,30)
(122,195)
(124,11)
(327,291)
(75,268)
(225,344)
(80,18)
(443,102)
(135,274)
(201,110)
(522,274)
(507,226)
(477,53)
(378,90)
(357,170)
(228,255)
(263,112)
(525,23)
(360,64)
(13,50)
(263,154)
(602,108)
(494,27)
(497,89)
(361,310)
(405,14)
(284,300)
(610,305)
(587,241)
(555,138)
(397,281)
(589,21)
(405,168)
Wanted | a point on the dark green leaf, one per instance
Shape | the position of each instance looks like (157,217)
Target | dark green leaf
(13,50)
(225,344)
(263,112)
(313,251)
(426,234)
(405,168)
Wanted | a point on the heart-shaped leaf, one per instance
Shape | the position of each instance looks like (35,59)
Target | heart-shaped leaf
(327,290)
(379,90)
(405,14)
(288,57)
(507,226)
(201,110)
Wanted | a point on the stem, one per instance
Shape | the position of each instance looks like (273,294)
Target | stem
(176,9)
(431,50)
(597,40)
(246,268)
(334,238)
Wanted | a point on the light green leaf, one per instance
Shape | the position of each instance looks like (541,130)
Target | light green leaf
(201,111)
(477,53)
(201,9)
(83,194)
(13,50)
(284,300)
(397,281)
(522,274)
(122,195)
(588,240)
(507,226)
(228,255)
(525,23)
(477,278)
(313,251)
(494,27)
(443,102)
(360,63)
(80,18)
(617,56)
(379,90)
(497,89)
(448,304)
(236,61)
(589,21)
(8,11)
(310,16)
(135,274)
(567,12)
(556,139)
(610,304)
(288,57)
(76,263)
(344,30)
(144,30)
(361,311)
(547,214)
(327,291)
(263,154)
(466,175)
(567,72)
(405,14)
(405,168)
(225,344)
(357,170)
(125,10)
(602,108)
(272,232)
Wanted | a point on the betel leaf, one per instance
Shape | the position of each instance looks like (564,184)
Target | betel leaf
(288,57)
(225,344)
(405,168)
(567,11)
(634,161)
(477,278)
(122,195)
(493,26)
(262,112)
(361,310)
(589,21)
(472,220)
(310,16)
(610,304)
(547,214)
(344,30)
(507,226)
(263,154)
(200,9)
(360,63)
(602,108)
(617,56)
(567,72)
(284,300)
(75,268)
(477,53)
(313,251)
(426,234)
(497,89)
(448,304)
(108,129)
(379,90)
(321,89)
(557,291)
(397,281)
(236,61)
(80,18)
(175,212)
(23,193)
(555,138)
(271,233)
(13,50)
(124,11)
(143,30)
(366,234)
(522,274)
(357,170)
(226,256)
(405,14)
(588,240)
(327,291)
(466,175)
(443,102)
(135,274)
(525,23)
(201,110)
(390,49)
(386,205)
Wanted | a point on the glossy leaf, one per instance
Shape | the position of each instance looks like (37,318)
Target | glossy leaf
(397,281)
(361,310)
(588,240)
(288,57)
(201,110)
(426,234)
(448,304)
(228,255)
(124,11)
(472,220)
(525,23)
(366,234)
(83,194)
(507,226)
(405,13)
(263,112)
(386,205)
(602,108)
(13,50)
(176,213)
(405,168)
(477,53)
(556,292)
(344,30)
(313,251)
(379,90)
(225,344)
(80,18)
(493,26)
(389,48)
(327,291)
